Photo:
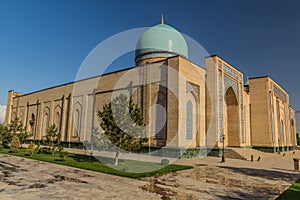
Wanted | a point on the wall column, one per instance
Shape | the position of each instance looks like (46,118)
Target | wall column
(63,117)
(39,120)
(9,107)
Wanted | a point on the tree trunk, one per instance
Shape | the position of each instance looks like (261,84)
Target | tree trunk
(117,157)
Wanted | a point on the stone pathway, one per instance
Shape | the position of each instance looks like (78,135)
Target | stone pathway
(28,179)
(22,178)
(210,182)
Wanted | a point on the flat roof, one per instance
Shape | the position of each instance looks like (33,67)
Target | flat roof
(108,73)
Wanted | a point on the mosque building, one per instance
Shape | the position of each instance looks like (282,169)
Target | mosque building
(184,105)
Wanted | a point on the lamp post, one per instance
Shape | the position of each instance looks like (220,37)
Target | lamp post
(223,149)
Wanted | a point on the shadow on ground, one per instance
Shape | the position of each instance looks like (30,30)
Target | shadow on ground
(292,193)
(263,173)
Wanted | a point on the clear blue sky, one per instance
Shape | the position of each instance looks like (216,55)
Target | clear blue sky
(43,43)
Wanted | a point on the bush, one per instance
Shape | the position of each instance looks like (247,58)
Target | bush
(15,144)
(164,162)
(30,149)
(124,169)
(44,150)
(63,155)
(38,146)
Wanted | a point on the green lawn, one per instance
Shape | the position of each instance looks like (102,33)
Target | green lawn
(292,192)
(126,168)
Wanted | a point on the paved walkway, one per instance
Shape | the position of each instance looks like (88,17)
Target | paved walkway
(239,179)
(22,178)
(27,179)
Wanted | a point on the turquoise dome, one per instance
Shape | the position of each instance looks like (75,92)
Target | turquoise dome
(161,40)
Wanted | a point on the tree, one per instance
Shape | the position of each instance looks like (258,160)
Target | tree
(53,139)
(99,140)
(123,125)
(5,136)
(14,144)
(2,132)
(15,128)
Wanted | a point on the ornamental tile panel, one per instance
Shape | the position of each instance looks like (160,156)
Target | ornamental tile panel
(279,92)
(230,71)
(220,100)
(191,87)
(228,82)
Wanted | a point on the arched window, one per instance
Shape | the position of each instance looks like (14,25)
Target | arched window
(282,131)
(189,120)
(45,123)
(14,115)
(32,123)
(21,117)
(57,120)
(57,116)
(160,120)
(292,135)
(158,115)
(76,123)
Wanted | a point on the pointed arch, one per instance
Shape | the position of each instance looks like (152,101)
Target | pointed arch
(14,115)
(32,117)
(32,123)
(191,115)
(282,132)
(21,117)
(57,116)
(77,119)
(158,115)
(292,134)
(232,118)
(46,120)
(189,120)
(230,96)
(76,123)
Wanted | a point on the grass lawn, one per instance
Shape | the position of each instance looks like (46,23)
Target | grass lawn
(90,163)
(292,192)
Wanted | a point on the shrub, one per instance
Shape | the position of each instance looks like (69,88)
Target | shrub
(44,150)
(15,144)
(30,149)
(38,146)
(124,169)
(63,155)
(164,162)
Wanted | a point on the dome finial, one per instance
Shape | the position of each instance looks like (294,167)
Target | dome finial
(162,19)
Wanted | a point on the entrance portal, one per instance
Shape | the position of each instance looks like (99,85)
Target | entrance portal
(233,136)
